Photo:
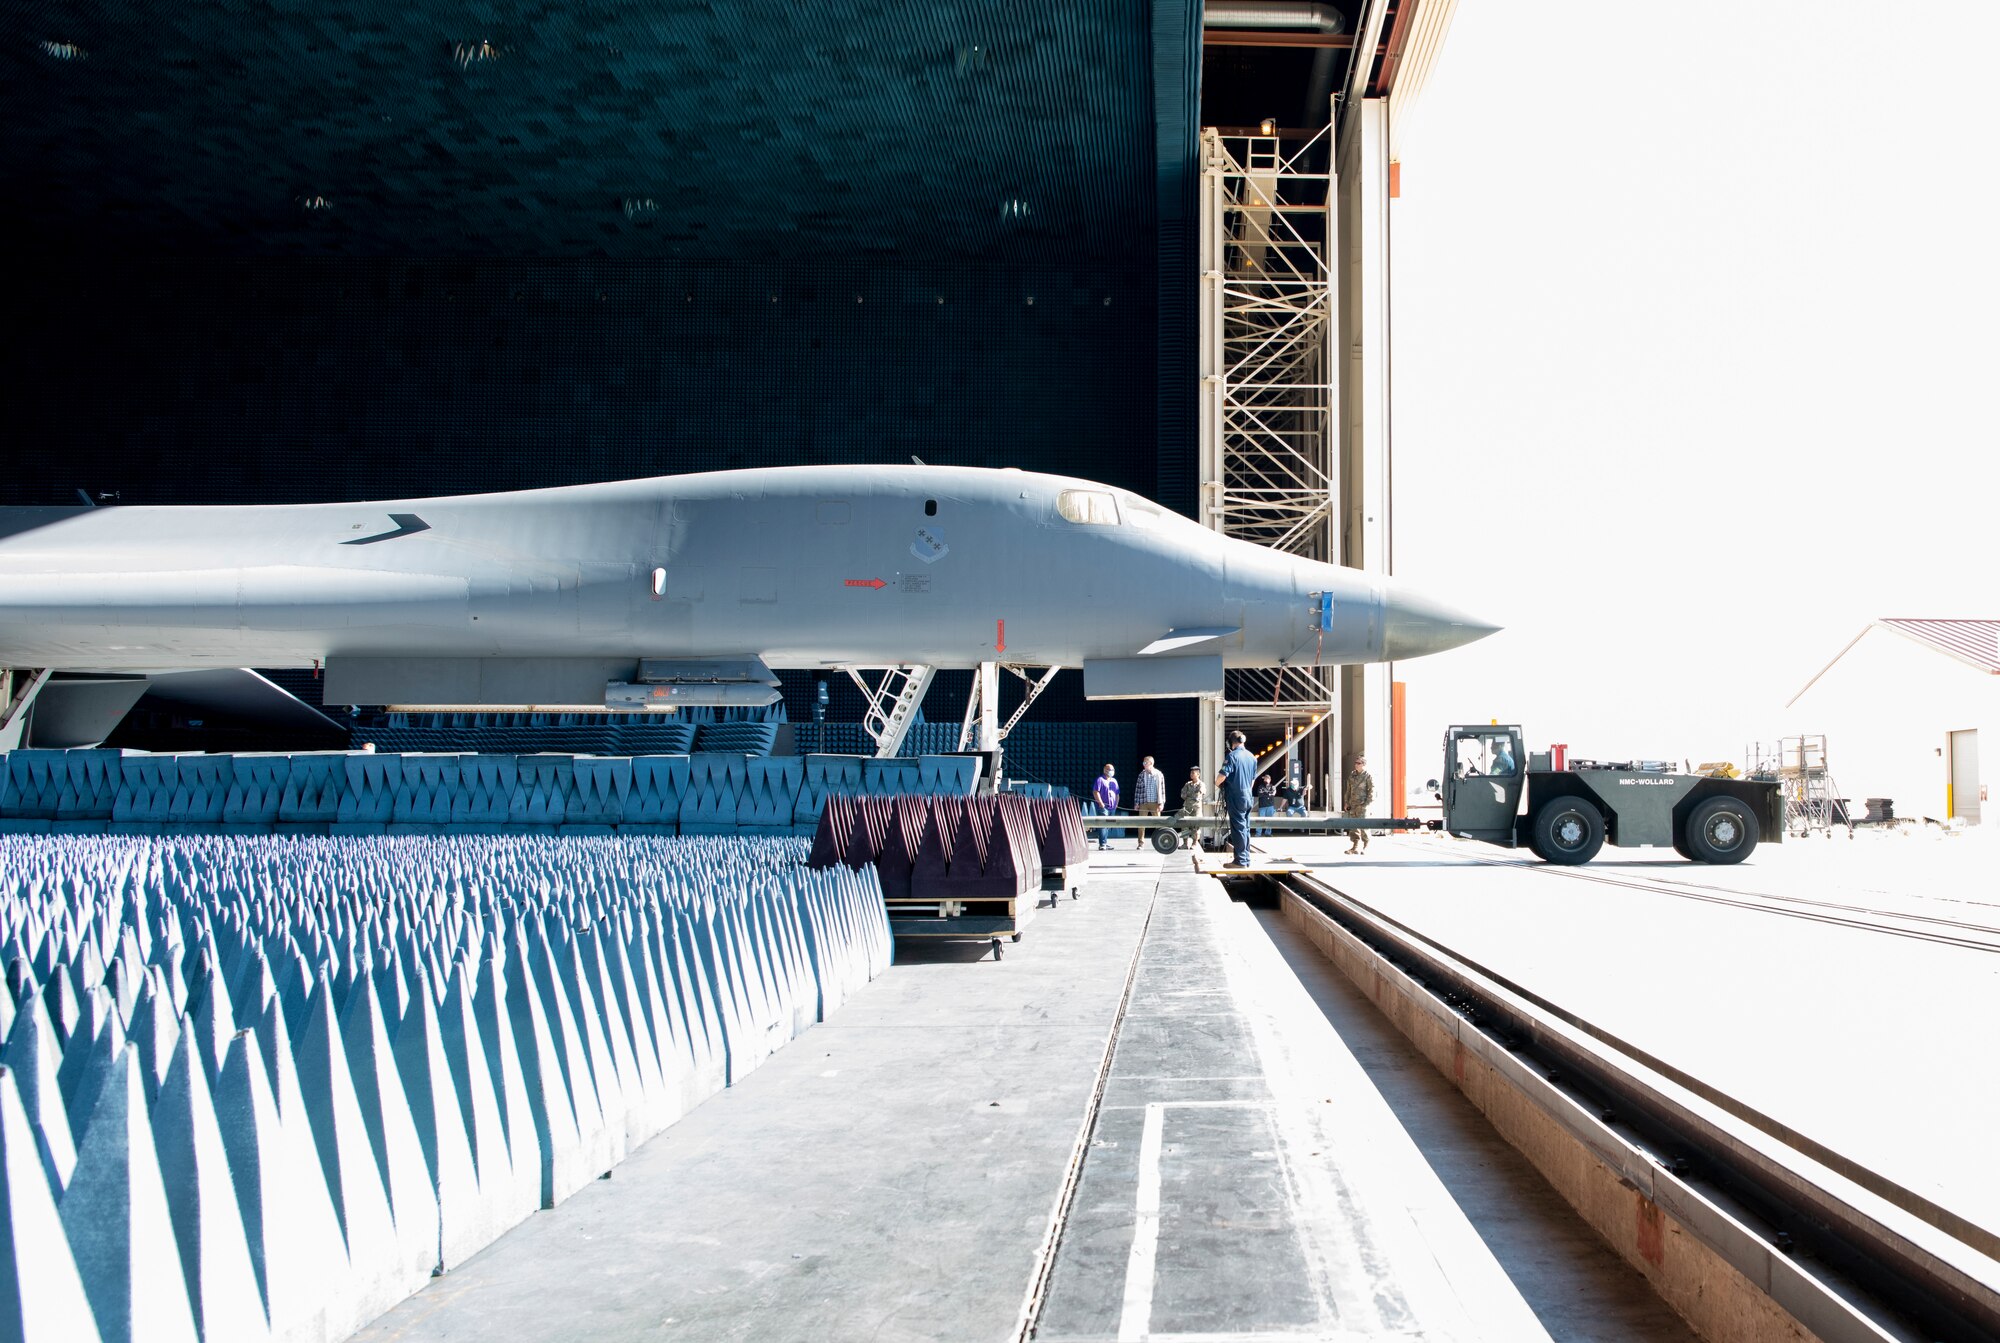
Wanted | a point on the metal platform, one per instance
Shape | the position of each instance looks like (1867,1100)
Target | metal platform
(1260,865)
(1141,1124)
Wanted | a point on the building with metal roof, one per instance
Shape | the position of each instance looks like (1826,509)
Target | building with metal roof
(1973,641)
(1904,706)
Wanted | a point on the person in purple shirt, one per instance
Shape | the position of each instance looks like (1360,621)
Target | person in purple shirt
(1105,790)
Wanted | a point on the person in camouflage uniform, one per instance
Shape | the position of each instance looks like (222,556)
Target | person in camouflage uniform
(1191,793)
(1359,793)
(1191,802)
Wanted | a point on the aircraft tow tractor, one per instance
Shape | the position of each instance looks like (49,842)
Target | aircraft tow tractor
(1565,815)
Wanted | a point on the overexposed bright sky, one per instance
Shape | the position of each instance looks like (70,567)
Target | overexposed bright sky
(1695,365)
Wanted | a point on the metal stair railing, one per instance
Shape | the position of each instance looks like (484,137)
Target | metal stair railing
(893,702)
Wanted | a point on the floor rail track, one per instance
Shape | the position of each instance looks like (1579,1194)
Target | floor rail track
(1784,906)
(1809,1225)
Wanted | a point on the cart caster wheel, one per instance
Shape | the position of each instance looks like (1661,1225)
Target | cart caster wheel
(1075,892)
(998,954)
(1015,938)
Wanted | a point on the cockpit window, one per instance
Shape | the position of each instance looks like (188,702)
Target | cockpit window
(1094,507)
(1490,753)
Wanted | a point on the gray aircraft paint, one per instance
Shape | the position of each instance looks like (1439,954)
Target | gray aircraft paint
(547,591)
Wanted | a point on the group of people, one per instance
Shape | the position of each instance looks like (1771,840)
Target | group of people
(1241,787)
(1273,792)
(1149,795)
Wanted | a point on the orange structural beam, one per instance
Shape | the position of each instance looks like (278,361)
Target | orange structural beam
(1398,780)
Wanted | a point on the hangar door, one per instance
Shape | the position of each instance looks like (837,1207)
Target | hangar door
(1965,776)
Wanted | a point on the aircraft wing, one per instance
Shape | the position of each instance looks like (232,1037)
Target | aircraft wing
(241,693)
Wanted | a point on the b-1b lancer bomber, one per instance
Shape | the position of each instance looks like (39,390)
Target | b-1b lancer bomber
(689,589)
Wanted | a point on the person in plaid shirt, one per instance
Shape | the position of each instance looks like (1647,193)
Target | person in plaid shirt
(1149,794)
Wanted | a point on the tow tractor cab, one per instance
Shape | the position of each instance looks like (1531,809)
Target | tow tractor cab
(1495,792)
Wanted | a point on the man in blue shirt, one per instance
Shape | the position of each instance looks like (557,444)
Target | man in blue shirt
(1236,779)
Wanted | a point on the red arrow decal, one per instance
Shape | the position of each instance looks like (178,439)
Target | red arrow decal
(1000,636)
(866,583)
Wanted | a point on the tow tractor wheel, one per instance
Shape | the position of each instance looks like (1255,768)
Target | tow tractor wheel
(1721,830)
(1166,839)
(1568,831)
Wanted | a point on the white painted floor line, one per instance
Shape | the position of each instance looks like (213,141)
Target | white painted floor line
(1139,1268)
(1141,1265)
(1045,1259)
(1289,1336)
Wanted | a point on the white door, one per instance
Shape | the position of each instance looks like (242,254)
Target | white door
(1965,776)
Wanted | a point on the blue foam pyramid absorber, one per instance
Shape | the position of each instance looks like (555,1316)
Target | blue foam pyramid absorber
(308,1069)
(41,1292)
(201,1201)
(115,1216)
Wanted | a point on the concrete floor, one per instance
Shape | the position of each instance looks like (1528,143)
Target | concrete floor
(1288,1199)
(894,1174)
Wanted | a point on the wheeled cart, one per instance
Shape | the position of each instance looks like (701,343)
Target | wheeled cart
(996,920)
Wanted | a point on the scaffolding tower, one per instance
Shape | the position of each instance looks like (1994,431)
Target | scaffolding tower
(1799,765)
(1269,434)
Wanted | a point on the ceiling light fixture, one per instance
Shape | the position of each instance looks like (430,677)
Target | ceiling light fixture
(64,51)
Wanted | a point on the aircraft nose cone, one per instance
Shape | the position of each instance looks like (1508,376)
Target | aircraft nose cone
(1415,626)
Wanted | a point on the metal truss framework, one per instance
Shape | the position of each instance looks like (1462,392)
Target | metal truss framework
(982,706)
(1269,428)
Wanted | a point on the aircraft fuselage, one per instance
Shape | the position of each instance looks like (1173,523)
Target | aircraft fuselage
(803,566)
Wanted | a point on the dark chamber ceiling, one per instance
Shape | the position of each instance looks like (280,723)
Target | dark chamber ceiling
(582,130)
(290,252)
